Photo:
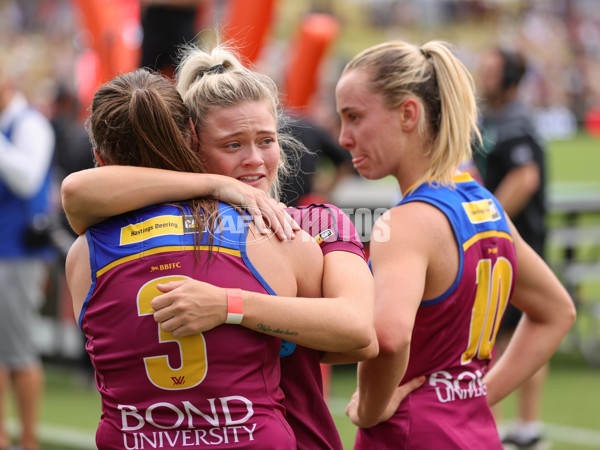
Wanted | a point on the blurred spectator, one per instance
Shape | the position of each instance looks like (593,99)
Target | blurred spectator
(300,188)
(166,25)
(73,153)
(512,166)
(73,148)
(26,147)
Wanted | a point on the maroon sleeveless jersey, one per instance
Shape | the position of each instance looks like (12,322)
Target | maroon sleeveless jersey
(454,334)
(219,389)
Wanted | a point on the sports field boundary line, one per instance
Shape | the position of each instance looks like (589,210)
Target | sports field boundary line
(572,435)
(85,440)
(58,434)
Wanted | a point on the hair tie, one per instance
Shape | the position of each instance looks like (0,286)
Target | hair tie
(219,68)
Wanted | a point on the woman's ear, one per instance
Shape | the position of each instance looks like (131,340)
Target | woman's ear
(410,109)
(98,159)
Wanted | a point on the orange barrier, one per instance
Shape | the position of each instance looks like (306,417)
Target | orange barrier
(246,26)
(111,27)
(317,32)
(326,375)
(87,76)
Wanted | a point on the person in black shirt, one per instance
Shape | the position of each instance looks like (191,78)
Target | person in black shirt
(296,190)
(512,166)
(166,26)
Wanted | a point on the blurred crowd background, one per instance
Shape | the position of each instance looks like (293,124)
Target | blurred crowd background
(46,42)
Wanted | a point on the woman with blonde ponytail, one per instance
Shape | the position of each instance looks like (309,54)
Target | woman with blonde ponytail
(445,259)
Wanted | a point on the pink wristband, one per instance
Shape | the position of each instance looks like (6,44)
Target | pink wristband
(235,306)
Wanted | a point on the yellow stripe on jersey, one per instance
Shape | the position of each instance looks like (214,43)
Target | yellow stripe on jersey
(166,249)
(463,177)
(486,234)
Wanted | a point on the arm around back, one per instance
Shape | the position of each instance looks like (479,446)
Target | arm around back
(349,287)
(340,322)
(93,195)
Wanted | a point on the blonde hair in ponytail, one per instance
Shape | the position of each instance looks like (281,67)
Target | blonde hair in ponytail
(444,88)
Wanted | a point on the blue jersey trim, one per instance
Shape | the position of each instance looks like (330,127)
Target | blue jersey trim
(93,268)
(224,239)
(287,348)
(248,263)
(449,201)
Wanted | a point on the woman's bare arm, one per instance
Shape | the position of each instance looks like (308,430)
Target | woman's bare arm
(340,322)
(549,313)
(399,268)
(91,196)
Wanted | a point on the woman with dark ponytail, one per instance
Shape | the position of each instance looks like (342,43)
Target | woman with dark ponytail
(219,387)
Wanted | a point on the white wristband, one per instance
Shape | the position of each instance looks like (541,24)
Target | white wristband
(235,306)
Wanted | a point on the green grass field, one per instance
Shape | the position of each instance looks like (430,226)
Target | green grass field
(574,161)
(571,406)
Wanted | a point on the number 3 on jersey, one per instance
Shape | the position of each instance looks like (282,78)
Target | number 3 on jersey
(192,349)
(493,292)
